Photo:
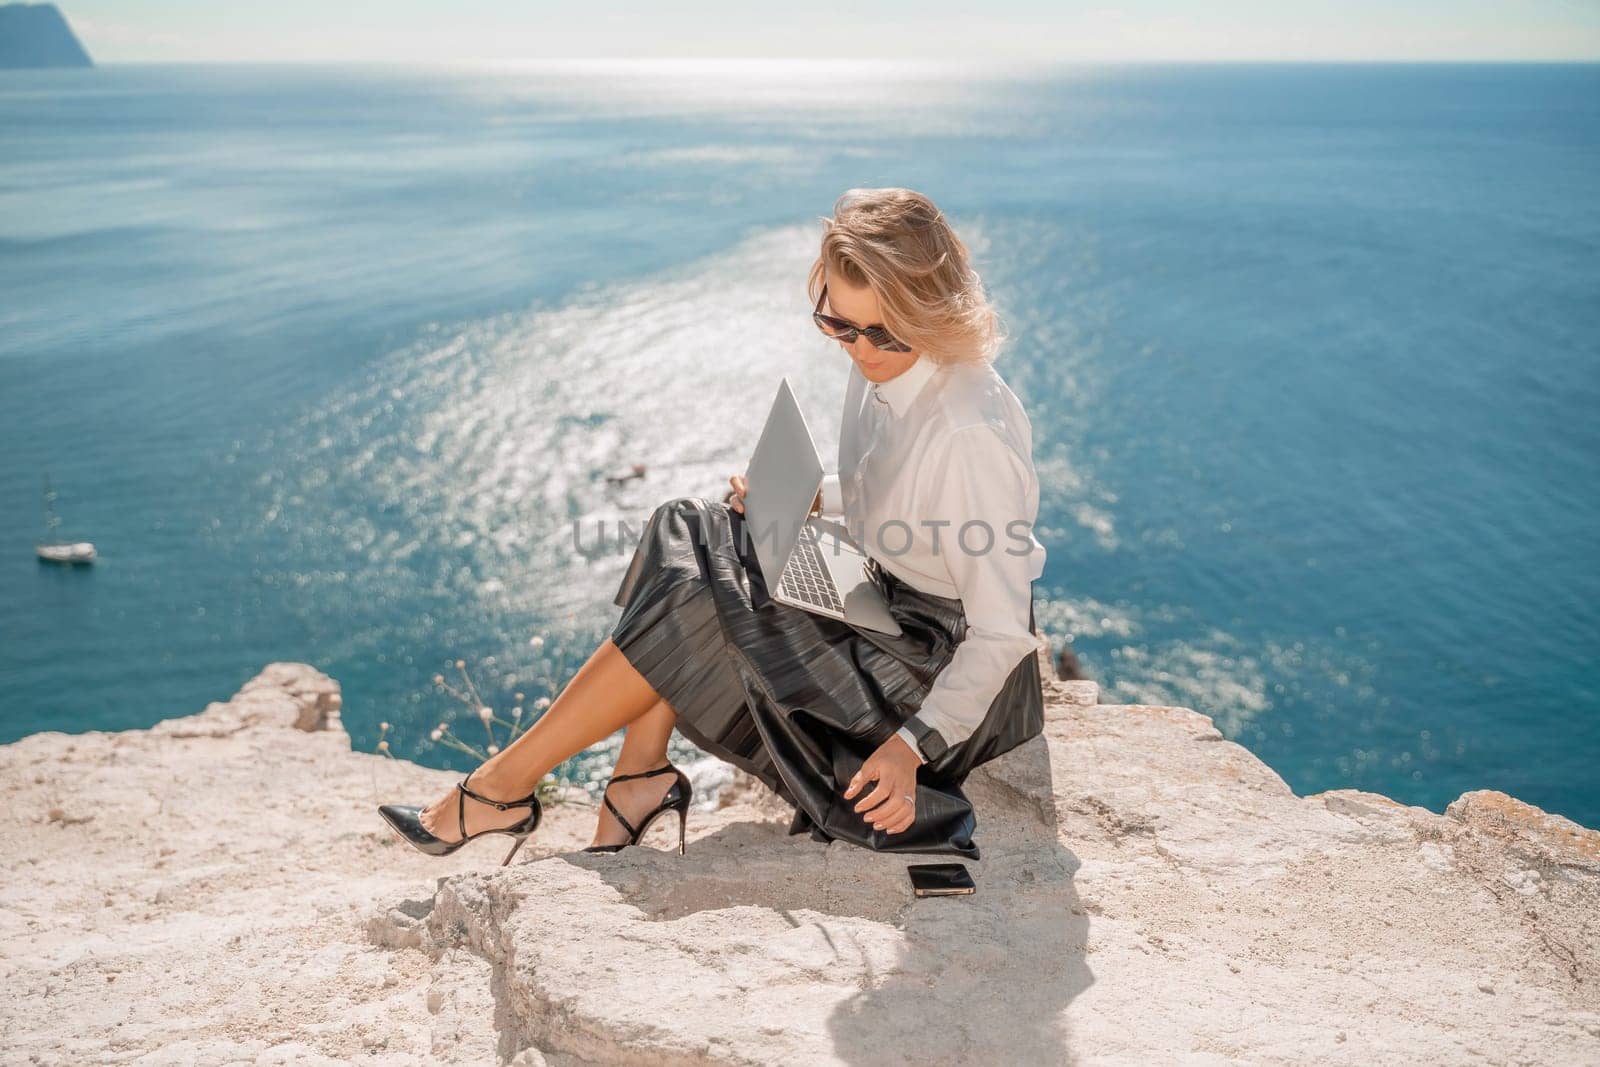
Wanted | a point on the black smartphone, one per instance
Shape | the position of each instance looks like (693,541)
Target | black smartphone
(940,879)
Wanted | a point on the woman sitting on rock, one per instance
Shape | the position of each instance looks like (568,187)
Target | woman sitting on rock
(868,736)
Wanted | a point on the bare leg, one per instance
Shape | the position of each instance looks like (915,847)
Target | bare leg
(605,695)
(644,748)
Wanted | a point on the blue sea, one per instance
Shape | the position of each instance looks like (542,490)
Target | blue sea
(332,363)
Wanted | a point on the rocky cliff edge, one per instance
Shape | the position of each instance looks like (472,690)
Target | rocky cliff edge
(219,889)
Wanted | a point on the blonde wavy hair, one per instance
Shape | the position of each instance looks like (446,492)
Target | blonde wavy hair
(899,244)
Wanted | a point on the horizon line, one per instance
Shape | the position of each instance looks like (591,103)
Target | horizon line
(834,60)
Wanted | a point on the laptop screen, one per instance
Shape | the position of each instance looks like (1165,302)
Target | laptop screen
(784,476)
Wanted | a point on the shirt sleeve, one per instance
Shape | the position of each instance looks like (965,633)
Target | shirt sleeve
(832,495)
(982,481)
(911,739)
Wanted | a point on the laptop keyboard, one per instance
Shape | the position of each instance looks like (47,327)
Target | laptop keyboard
(806,578)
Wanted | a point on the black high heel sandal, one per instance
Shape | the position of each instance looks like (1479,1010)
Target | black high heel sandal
(678,798)
(406,820)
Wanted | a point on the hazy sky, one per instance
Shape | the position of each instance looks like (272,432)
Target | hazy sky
(409,30)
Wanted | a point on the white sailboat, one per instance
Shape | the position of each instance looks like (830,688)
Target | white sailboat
(52,549)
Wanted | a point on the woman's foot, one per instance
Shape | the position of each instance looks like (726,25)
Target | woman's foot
(441,818)
(636,798)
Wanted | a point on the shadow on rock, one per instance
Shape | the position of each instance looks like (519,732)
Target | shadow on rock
(987,976)
(898,979)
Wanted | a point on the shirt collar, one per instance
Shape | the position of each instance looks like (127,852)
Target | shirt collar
(904,387)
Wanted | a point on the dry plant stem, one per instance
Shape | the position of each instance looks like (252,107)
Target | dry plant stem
(604,696)
(477,700)
(477,704)
(466,701)
(461,746)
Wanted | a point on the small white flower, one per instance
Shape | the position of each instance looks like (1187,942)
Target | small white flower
(383,746)
(536,641)
(542,703)
(493,749)
(384,727)
(437,734)
(516,712)
(485,714)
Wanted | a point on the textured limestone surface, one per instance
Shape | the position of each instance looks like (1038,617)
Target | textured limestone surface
(219,889)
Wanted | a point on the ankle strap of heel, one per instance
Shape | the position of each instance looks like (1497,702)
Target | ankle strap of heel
(668,769)
(606,798)
(531,800)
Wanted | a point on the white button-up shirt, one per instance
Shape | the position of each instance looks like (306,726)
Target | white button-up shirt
(936,482)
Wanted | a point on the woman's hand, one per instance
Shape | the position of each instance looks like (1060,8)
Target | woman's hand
(892,805)
(741,488)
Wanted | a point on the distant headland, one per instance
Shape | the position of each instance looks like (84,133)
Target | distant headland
(37,35)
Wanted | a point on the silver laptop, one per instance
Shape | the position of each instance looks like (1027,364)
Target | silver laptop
(821,570)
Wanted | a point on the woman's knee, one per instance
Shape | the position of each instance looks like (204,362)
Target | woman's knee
(679,504)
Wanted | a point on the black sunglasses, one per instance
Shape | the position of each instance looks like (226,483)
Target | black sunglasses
(840,330)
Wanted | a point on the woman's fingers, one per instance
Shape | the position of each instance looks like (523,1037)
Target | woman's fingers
(740,487)
(885,806)
(877,795)
(901,825)
(884,801)
(893,816)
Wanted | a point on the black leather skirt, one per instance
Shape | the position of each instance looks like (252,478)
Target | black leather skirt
(801,700)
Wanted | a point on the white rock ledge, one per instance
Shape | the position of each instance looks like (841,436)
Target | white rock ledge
(219,889)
